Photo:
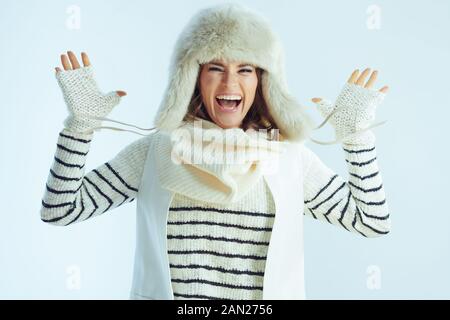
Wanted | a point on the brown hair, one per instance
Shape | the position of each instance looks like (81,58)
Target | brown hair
(258,116)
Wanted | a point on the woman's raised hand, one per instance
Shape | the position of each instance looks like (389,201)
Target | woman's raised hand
(86,103)
(355,107)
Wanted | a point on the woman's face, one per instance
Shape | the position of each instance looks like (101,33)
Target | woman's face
(228,91)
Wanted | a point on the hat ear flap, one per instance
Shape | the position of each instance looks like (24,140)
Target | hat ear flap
(291,117)
(177,96)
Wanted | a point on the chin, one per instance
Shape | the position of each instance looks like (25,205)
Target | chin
(228,123)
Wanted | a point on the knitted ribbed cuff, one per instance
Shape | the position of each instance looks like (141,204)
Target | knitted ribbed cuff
(363,138)
(76,124)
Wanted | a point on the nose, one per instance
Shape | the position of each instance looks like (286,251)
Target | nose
(229,78)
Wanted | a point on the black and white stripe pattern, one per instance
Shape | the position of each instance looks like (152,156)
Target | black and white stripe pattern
(215,252)
(359,204)
(72,196)
(219,252)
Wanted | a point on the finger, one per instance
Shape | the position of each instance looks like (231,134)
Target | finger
(85,59)
(316,100)
(73,60)
(57,69)
(121,93)
(384,89)
(353,76)
(371,80)
(65,62)
(362,77)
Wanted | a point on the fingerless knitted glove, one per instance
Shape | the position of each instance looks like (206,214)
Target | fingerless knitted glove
(352,113)
(84,100)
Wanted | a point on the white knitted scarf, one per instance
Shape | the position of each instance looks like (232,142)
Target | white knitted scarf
(208,163)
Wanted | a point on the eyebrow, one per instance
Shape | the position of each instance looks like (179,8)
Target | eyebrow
(241,65)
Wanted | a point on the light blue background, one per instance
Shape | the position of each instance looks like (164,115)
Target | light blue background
(130,42)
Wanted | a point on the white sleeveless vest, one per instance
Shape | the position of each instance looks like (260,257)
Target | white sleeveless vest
(284,271)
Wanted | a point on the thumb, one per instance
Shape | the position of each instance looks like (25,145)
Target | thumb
(324,106)
(113,98)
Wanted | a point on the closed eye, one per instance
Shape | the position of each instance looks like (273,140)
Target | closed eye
(217,69)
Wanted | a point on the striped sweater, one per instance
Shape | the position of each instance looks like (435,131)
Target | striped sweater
(215,251)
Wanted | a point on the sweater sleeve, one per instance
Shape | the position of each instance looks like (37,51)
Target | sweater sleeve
(72,196)
(357,205)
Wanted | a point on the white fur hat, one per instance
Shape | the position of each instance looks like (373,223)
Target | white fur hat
(231,32)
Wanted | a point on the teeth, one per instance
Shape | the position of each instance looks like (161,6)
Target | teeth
(229,97)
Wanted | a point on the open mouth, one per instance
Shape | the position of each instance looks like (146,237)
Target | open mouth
(226,105)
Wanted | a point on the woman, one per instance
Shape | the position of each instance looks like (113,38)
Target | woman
(218,228)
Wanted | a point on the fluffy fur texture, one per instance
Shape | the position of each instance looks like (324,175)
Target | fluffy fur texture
(231,32)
